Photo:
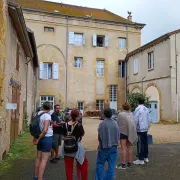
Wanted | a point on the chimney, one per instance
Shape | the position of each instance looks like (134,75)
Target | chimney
(129,16)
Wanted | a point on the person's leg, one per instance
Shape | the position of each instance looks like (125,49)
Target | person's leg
(54,145)
(82,170)
(44,159)
(123,150)
(57,152)
(101,159)
(37,163)
(146,151)
(112,156)
(69,167)
(130,152)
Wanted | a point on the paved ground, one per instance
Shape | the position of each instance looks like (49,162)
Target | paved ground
(164,165)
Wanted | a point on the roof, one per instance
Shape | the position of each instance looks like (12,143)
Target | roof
(17,18)
(71,10)
(152,43)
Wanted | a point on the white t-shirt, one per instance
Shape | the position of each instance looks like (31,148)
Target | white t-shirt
(45,117)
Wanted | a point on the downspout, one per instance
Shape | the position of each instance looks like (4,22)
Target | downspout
(177,99)
(67,38)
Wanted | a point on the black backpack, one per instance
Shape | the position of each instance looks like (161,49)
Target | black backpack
(70,142)
(34,126)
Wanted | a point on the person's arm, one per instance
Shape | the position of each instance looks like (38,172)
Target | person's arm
(136,116)
(53,116)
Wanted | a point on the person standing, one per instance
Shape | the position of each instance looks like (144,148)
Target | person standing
(75,130)
(142,120)
(108,136)
(43,142)
(128,135)
(57,120)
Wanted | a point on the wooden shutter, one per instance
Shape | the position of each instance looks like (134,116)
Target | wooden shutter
(84,39)
(94,40)
(41,71)
(55,70)
(71,37)
(106,41)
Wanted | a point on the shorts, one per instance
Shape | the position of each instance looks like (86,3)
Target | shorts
(45,144)
(56,142)
(122,136)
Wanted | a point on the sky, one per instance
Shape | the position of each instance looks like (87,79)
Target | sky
(160,16)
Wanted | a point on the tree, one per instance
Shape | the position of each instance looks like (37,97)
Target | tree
(133,97)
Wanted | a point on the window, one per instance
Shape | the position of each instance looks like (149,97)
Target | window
(49,71)
(99,104)
(17,57)
(100,40)
(100,68)
(122,43)
(151,60)
(81,106)
(77,39)
(49,99)
(78,62)
(136,68)
(48,29)
(121,69)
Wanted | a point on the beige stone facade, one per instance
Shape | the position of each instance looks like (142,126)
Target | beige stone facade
(156,74)
(14,57)
(84,87)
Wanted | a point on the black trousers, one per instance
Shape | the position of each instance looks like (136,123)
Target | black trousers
(142,145)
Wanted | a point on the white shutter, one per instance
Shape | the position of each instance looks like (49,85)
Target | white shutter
(55,71)
(134,66)
(41,68)
(94,40)
(106,41)
(84,39)
(71,37)
(137,65)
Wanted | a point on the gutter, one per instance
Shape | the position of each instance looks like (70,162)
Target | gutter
(23,25)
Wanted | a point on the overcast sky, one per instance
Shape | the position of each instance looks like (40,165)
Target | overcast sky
(160,16)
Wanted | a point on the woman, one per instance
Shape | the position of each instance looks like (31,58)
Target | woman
(79,155)
(43,142)
(128,135)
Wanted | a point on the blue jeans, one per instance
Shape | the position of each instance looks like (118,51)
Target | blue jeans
(109,155)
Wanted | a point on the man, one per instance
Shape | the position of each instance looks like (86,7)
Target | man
(43,142)
(57,131)
(108,136)
(141,116)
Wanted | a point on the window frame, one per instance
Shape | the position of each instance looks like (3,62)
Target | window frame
(48,27)
(48,70)
(47,100)
(151,60)
(136,63)
(99,104)
(79,105)
(119,41)
(100,36)
(101,69)
(80,62)
(76,40)
(121,66)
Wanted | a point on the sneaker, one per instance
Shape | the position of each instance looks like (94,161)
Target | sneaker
(129,165)
(35,178)
(138,162)
(54,161)
(58,158)
(146,160)
(121,166)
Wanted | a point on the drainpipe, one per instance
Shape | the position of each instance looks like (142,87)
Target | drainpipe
(67,39)
(177,99)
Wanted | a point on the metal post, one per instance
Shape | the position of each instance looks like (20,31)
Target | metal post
(67,38)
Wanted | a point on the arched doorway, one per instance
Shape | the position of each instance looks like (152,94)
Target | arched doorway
(154,103)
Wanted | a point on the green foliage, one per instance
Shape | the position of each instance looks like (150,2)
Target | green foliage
(133,97)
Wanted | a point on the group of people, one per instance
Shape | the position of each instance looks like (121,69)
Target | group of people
(128,129)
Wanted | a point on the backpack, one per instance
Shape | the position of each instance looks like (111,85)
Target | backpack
(70,142)
(34,126)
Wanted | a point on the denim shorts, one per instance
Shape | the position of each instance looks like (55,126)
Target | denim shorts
(45,144)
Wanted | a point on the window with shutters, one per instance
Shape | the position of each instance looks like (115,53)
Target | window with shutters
(122,43)
(100,68)
(136,66)
(49,99)
(121,69)
(77,39)
(17,57)
(48,29)
(151,60)
(78,61)
(99,105)
(49,70)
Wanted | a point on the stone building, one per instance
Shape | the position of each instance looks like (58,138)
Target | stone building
(18,64)
(81,52)
(154,69)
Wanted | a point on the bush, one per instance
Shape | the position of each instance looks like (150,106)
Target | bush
(133,97)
